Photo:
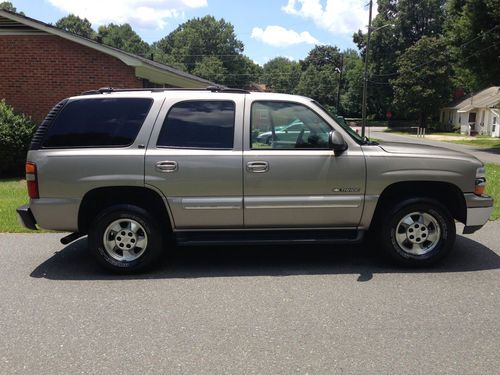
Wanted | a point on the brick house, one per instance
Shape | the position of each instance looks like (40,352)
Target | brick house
(41,64)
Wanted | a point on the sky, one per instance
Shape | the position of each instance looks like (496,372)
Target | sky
(268,28)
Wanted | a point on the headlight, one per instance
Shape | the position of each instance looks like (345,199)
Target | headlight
(480,183)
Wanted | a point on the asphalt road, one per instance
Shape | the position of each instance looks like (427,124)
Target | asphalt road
(267,310)
(484,154)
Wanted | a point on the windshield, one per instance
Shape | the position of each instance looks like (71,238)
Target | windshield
(344,126)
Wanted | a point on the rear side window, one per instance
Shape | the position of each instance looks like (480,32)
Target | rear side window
(106,122)
(199,124)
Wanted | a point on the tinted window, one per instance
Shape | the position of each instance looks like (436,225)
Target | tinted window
(203,124)
(287,125)
(98,123)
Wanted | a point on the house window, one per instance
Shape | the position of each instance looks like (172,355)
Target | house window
(460,119)
(494,120)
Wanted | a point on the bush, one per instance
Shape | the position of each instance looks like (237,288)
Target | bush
(16,131)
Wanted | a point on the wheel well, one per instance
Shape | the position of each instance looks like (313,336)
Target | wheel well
(447,194)
(98,199)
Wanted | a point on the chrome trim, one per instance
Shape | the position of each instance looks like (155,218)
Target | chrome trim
(216,203)
(346,201)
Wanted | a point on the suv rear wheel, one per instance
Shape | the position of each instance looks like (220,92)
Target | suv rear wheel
(126,238)
(417,232)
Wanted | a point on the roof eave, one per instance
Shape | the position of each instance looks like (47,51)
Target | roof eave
(129,59)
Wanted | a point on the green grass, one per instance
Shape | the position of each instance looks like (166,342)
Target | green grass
(13,194)
(493,143)
(493,187)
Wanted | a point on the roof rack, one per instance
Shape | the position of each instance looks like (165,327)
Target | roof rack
(107,90)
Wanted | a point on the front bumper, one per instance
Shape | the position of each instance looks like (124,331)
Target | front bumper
(479,209)
(26,217)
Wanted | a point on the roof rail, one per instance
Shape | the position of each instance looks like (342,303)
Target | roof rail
(106,90)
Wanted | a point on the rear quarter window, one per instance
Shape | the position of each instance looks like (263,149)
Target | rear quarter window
(103,122)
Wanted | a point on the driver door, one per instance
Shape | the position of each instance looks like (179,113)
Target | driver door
(298,183)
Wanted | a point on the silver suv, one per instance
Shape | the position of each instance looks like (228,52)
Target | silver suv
(141,170)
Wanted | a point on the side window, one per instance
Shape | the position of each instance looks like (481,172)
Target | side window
(287,125)
(106,122)
(199,124)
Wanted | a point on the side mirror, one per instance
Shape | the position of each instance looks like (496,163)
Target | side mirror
(337,143)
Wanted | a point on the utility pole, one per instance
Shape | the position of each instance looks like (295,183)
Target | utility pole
(340,82)
(365,74)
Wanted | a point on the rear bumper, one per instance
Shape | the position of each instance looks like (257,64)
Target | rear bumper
(479,209)
(26,217)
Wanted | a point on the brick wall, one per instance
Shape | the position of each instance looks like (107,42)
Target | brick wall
(37,71)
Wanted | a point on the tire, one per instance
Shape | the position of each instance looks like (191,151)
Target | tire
(417,232)
(126,239)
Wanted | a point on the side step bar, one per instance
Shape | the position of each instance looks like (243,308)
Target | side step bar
(269,237)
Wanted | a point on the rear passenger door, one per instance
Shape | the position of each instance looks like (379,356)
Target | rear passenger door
(194,158)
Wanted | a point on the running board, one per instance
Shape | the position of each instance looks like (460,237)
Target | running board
(269,237)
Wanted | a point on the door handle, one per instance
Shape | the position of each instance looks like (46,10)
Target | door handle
(257,166)
(167,166)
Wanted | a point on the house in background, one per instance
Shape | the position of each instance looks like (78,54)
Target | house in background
(476,114)
(41,64)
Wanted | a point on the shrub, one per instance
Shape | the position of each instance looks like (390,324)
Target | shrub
(16,131)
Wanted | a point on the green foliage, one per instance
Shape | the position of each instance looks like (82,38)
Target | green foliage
(319,84)
(473,31)
(76,25)
(352,85)
(16,131)
(7,5)
(193,41)
(398,25)
(281,75)
(323,57)
(211,68)
(423,84)
(123,37)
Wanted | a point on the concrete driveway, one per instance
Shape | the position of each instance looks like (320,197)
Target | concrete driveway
(268,310)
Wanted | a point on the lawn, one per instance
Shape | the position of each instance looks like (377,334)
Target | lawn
(493,143)
(493,187)
(13,194)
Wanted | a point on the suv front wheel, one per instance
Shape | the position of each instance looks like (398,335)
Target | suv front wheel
(417,232)
(126,238)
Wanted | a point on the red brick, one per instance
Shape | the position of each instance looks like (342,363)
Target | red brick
(38,71)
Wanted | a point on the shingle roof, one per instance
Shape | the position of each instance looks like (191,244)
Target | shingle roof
(484,99)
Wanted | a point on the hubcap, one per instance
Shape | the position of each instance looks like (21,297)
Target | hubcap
(125,240)
(418,233)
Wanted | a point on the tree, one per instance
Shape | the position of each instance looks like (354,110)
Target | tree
(123,37)
(7,5)
(191,42)
(423,84)
(319,84)
(281,75)
(473,31)
(352,85)
(211,68)
(76,25)
(323,56)
(398,25)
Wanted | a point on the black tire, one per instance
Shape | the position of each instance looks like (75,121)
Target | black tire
(140,258)
(408,252)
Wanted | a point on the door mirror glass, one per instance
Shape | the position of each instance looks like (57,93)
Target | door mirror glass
(337,142)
